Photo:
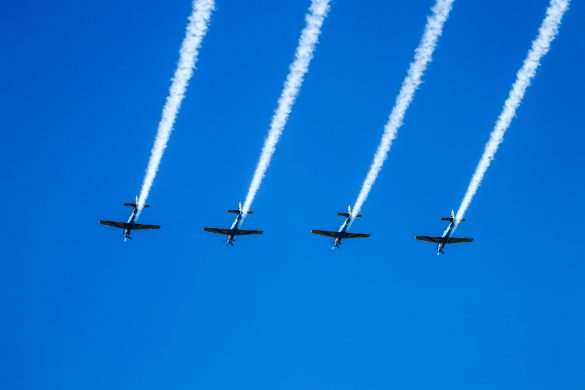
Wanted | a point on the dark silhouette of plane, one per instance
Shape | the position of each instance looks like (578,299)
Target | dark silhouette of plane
(343,230)
(131,224)
(446,236)
(234,230)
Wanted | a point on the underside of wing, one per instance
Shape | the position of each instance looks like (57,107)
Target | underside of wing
(436,240)
(139,226)
(356,235)
(326,233)
(248,232)
(120,225)
(217,231)
(459,240)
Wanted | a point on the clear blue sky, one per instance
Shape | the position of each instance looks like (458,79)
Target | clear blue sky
(82,87)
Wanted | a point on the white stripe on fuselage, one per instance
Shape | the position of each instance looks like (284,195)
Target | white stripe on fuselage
(448,231)
(130,222)
(236,224)
(342,229)
(344,225)
(235,227)
(445,236)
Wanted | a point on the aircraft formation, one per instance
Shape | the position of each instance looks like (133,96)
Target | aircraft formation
(195,32)
(339,235)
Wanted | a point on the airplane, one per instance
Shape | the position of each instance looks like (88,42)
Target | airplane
(342,232)
(234,230)
(131,224)
(446,236)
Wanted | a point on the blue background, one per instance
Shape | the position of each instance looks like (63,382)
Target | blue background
(81,91)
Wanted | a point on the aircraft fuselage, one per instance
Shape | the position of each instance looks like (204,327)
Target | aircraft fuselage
(234,228)
(445,238)
(342,230)
(130,225)
(131,222)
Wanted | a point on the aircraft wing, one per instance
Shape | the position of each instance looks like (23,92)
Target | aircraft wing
(218,231)
(356,235)
(139,226)
(436,240)
(120,225)
(459,240)
(325,233)
(248,232)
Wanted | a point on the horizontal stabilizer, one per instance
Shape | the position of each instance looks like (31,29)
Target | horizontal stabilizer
(450,219)
(217,231)
(238,211)
(120,225)
(346,215)
(436,240)
(135,205)
(459,240)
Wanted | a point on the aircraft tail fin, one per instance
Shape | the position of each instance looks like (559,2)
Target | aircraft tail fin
(135,205)
(348,214)
(451,218)
(239,210)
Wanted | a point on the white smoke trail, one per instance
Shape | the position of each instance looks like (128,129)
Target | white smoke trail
(196,29)
(547,32)
(298,69)
(423,55)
